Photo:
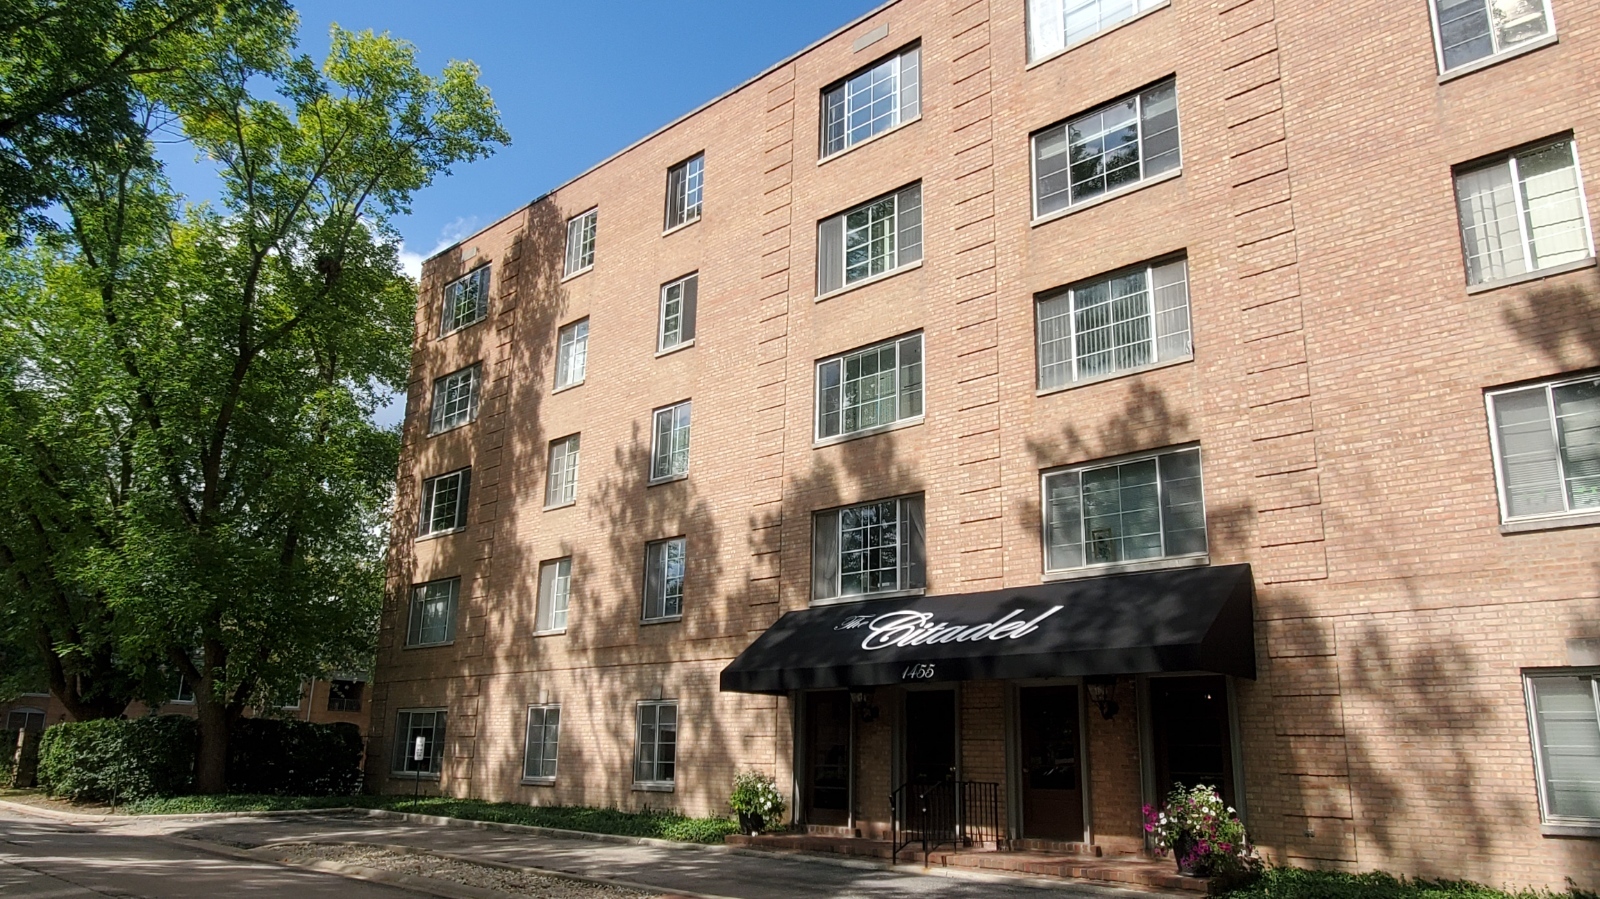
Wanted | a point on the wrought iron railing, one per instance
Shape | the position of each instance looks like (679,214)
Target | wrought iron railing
(958,812)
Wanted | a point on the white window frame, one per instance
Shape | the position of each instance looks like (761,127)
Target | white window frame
(691,187)
(655,782)
(1166,559)
(414,636)
(546,753)
(904,62)
(1511,159)
(1555,824)
(553,609)
(572,354)
(911,559)
(439,420)
(1548,388)
(561,483)
(903,394)
(670,608)
(1137,10)
(582,233)
(403,744)
(1065,125)
(656,450)
(835,248)
(682,333)
(1499,52)
(28,714)
(1152,315)
(430,488)
(476,281)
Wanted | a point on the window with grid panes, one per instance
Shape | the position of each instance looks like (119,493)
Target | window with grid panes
(344,695)
(572,354)
(580,241)
(561,481)
(1135,509)
(685,183)
(1132,318)
(870,388)
(679,300)
(1103,151)
(868,549)
(433,612)
(1564,708)
(555,591)
(466,301)
(656,749)
(669,444)
(664,562)
(455,399)
(1522,213)
(869,240)
(1054,25)
(872,101)
(543,739)
(1470,30)
(444,502)
(412,725)
(1547,448)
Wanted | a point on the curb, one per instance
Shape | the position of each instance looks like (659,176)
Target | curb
(87,818)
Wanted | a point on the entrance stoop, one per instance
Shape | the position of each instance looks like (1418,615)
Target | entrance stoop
(1066,861)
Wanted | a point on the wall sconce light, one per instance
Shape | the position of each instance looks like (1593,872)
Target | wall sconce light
(862,701)
(1101,689)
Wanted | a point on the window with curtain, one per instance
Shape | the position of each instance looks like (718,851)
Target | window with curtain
(870,388)
(466,301)
(1566,734)
(872,100)
(1547,448)
(1134,509)
(580,241)
(561,482)
(572,354)
(455,399)
(1054,25)
(685,183)
(1470,30)
(656,750)
(868,549)
(874,238)
(664,564)
(1106,150)
(444,503)
(433,612)
(412,726)
(543,739)
(555,591)
(669,445)
(1522,213)
(1114,323)
(679,300)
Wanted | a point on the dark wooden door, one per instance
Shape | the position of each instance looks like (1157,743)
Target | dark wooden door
(828,758)
(1190,724)
(930,736)
(1052,767)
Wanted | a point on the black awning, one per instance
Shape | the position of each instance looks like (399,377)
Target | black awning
(1189,619)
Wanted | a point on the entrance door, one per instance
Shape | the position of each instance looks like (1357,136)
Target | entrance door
(1190,718)
(1052,789)
(930,736)
(828,758)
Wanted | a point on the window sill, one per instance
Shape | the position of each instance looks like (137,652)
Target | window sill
(1479,65)
(538,781)
(555,633)
(454,331)
(1551,523)
(673,349)
(1093,37)
(867,432)
(679,227)
(670,619)
(1101,379)
(434,535)
(1106,198)
(407,775)
(564,388)
(868,281)
(410,646)
(1569,830)
(566,505)
(656,482)
(1126,568)
(871,140)
(1539,275)
(654,787)
(452,427)
(577,274)
(868,597)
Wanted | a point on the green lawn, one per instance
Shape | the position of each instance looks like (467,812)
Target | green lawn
(1293,883)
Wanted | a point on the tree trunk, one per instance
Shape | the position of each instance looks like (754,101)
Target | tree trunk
(211,762)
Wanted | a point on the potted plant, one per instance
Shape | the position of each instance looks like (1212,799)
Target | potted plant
(1202,832)
(756,800)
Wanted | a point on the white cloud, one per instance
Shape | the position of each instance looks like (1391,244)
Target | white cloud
(411,260)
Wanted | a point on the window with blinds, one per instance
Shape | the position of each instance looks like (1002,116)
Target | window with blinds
(555,589)
(1469,30)
(872,101)
(669,443)
(664,564)
(443,507)
(679,300)
(1565,711)
(580,241)
(872,239)
(1522,213)
(1113,324)
(869,389)
(1106,150)
(543,739)
(1547,448)
(455,399)
(685,184)
(466,301)
(1054,25)
(433,613)
(572,354)
(561,482)
(1133,509)
(655,759)
(868,549)
(418,732)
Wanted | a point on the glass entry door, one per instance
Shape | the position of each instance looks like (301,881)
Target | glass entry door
(930,736)
(1052,769)
(1190,729)
(828,758)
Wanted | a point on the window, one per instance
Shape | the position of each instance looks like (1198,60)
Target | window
(1470,30)
(869,240)
(572,354)
(25,719)
(1135,509)
(1547,448)
(433,613)
(455,399)
(555,588)
(185,691)
(466,301)
(1566,736)
(871,101)
(580,241)
(1113,147)
(561,482)
(669,447)
(685,182)
(655,759)
(544,737)
(345,695)
(678,301)
(1054,25)
(870,388)
(444,502)
(418,732)
(1522,213)
(1138,316)
(868,549)
(664,562)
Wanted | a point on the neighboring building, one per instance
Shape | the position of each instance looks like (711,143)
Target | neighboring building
(31,711)
(1235,365)
(341,698)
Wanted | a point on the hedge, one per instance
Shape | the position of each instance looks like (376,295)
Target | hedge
(282,758)
(8,752)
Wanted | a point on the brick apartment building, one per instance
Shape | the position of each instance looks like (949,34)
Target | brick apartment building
(1083,397)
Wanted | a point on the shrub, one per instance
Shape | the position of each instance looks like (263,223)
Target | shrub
(755,793)
(267,756)
(8,751)
(113,759)
(1295,883)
